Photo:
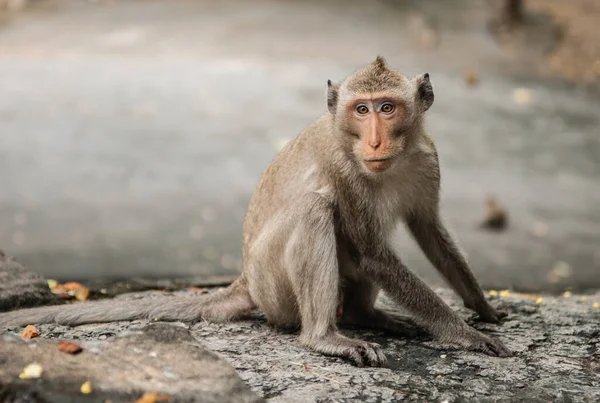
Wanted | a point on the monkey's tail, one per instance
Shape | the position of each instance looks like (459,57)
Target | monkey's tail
(223,305)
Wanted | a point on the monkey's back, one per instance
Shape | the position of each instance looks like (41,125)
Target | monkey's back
(296,164)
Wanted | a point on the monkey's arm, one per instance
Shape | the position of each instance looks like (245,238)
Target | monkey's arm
(443,252)
(428,308)
(311,261)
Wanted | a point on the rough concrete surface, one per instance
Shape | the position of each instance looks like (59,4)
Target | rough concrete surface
(157,357)
(556,341)
(21,288)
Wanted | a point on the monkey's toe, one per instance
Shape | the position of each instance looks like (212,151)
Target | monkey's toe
(477,341)
(359,352)
(366,354)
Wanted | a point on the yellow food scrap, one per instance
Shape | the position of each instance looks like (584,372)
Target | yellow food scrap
(152,397)
(596,305)
(86,388)
(539,300)
(504,293)
(493,293)
(567,294)
(32,371)
(52,283)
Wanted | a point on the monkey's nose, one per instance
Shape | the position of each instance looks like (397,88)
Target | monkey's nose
(374,143)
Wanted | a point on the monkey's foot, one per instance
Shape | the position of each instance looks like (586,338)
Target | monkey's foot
(476,341)
(380,320)
(359,352)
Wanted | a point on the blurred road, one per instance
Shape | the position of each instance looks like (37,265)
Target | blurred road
(132,133)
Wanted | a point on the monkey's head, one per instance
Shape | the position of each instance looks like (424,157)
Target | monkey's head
(380,109)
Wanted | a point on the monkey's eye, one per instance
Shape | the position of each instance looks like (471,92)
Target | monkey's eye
(362,109)
(387,108)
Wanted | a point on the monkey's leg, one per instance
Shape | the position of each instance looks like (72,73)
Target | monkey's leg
(441,250)
(358,310)
(429,310)
(311,260)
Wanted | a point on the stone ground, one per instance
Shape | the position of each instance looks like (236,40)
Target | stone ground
(139,129)
(556,344)
(556,341)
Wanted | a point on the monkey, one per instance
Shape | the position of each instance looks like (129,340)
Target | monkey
(316,236)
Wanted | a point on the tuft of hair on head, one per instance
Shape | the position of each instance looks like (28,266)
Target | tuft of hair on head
(375,77)
(380,63)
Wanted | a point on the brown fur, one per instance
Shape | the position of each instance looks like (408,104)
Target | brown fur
(316,234)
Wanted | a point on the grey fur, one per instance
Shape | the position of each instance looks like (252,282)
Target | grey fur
(316,235)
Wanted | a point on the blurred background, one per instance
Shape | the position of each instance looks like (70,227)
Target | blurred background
(133,132)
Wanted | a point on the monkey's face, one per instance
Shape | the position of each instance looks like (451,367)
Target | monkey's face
(379,109)
(376,122)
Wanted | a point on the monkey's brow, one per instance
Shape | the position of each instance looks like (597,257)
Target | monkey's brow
(377,97)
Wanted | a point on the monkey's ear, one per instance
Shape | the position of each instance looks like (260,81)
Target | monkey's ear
(332,96)
(424,91)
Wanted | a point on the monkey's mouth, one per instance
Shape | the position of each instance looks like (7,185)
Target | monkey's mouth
(378,164)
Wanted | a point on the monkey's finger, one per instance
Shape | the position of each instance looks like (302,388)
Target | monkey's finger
(500,349)
(356,357)
(500,314)
(373,354)
(381,358)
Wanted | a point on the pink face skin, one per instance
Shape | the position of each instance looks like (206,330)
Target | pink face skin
(375,119)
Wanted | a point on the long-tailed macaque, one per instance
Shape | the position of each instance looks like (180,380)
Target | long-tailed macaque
(316,238)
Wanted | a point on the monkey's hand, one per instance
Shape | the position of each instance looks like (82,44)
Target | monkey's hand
(476,341)
(488,313)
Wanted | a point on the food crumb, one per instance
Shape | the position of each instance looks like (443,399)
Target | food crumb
(86,388)
(34,370)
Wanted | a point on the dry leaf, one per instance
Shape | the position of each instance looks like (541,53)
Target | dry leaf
(34,370)
(152,397)
(82,294)
(71,289)
(70,348)
(86,388)
(30,332)
(471,76)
